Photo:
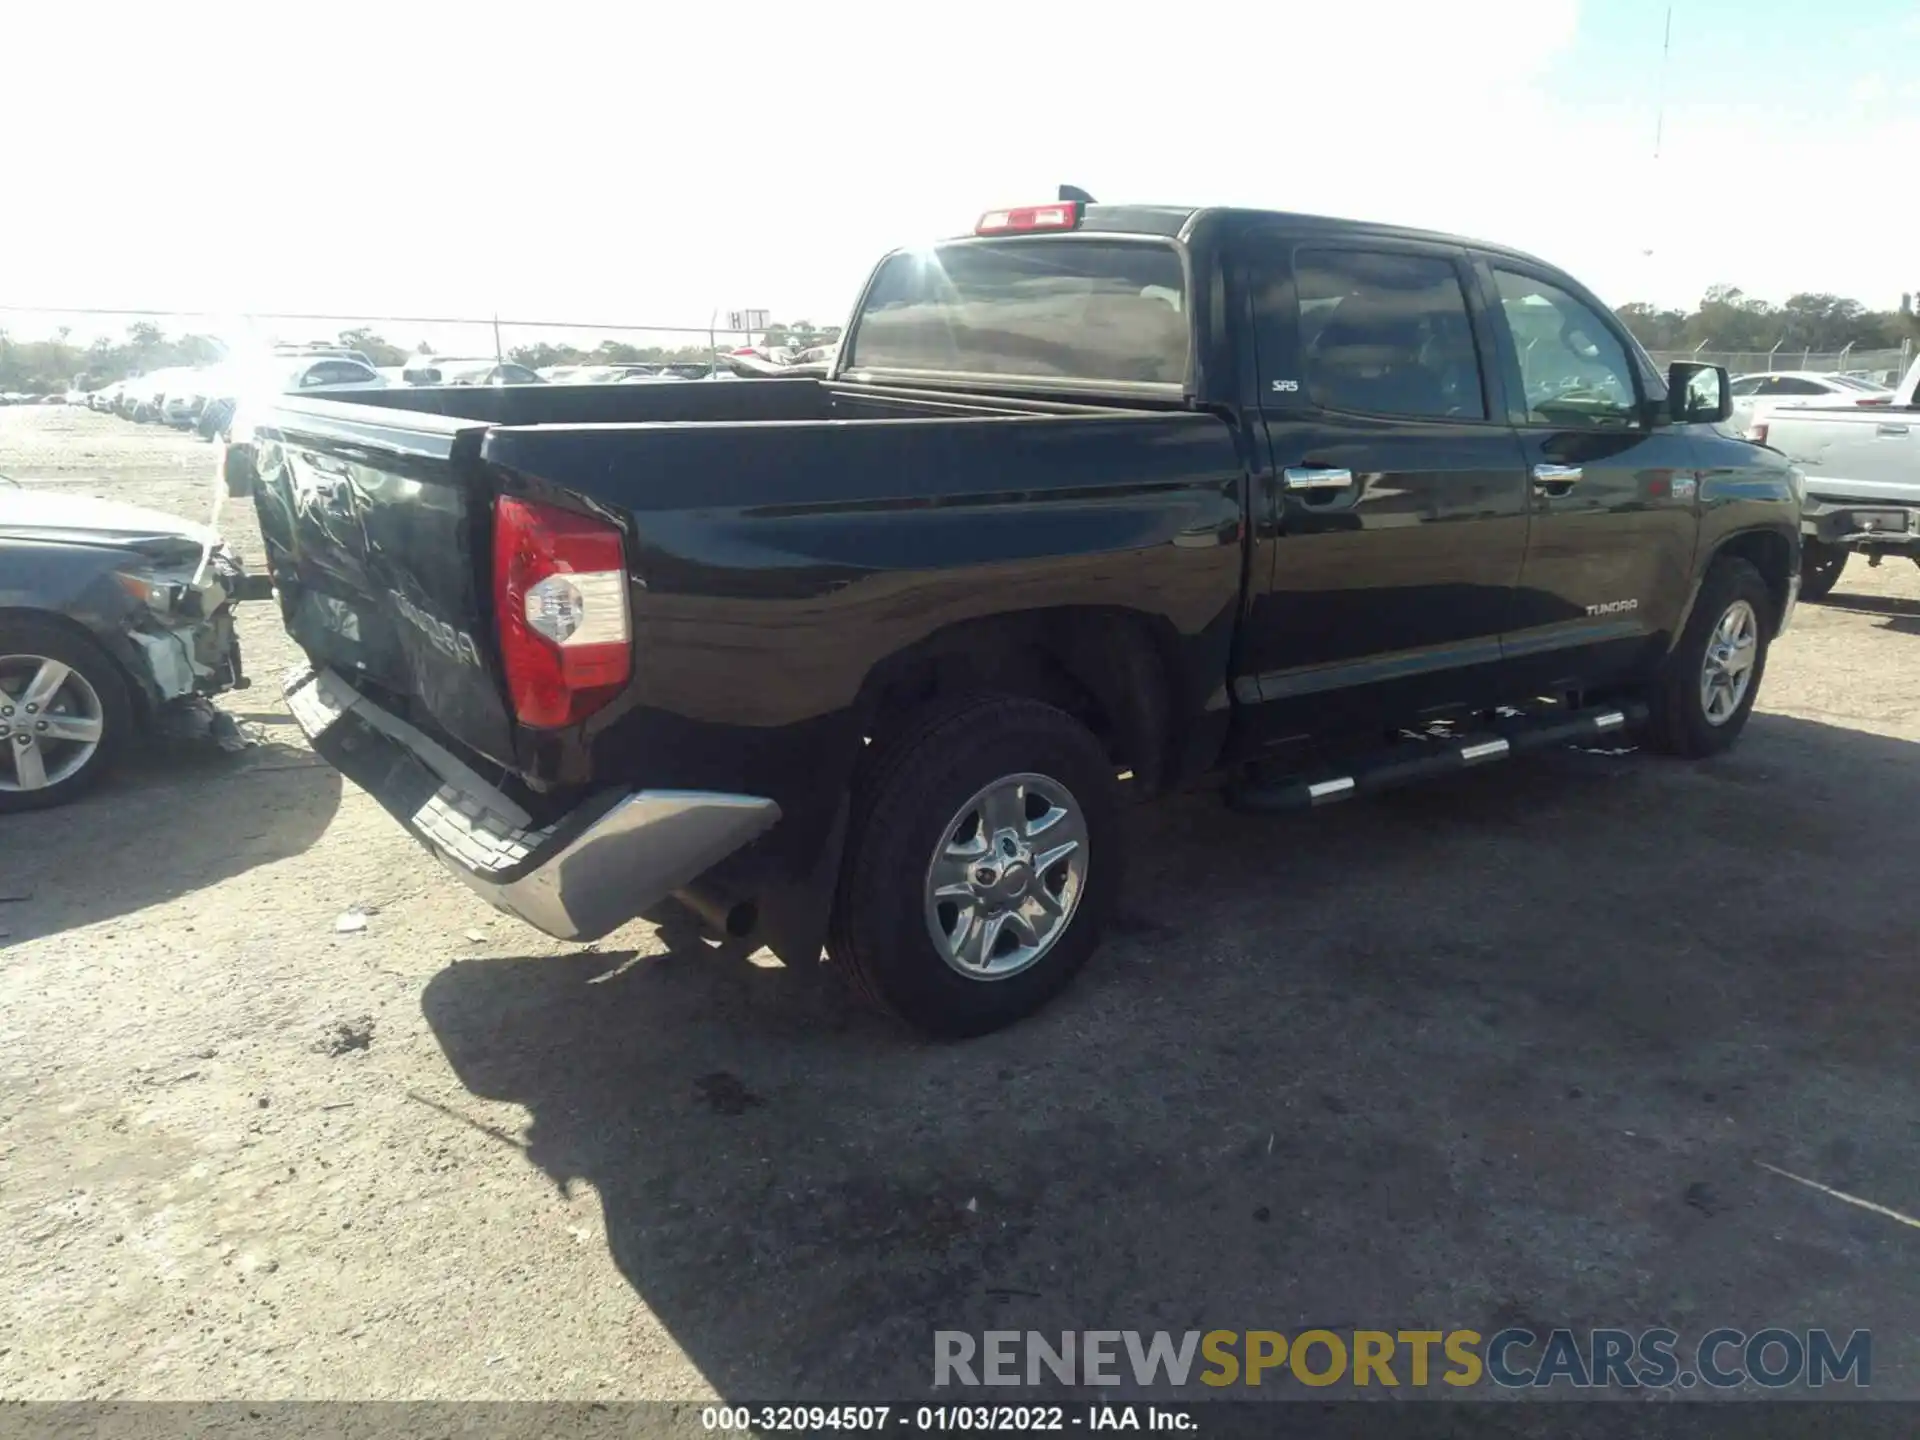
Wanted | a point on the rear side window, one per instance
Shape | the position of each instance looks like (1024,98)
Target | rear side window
(1387,334)
(1080,308)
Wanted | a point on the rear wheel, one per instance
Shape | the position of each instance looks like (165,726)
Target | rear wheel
(64,714)
(237,469)
(1820,567)
(982,858)
(1705,692)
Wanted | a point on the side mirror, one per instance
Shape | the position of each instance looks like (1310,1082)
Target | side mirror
(1698,394)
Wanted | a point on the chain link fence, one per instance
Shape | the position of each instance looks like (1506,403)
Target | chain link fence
(1886,366)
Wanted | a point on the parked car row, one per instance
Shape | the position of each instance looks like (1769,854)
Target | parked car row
(1755,397)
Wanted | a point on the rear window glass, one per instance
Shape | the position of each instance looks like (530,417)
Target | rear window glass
(1080,309)
(338,372)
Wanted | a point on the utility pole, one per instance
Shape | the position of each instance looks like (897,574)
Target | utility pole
(1660,95)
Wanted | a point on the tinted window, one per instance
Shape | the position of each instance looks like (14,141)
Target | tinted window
(1386,334)
(1080,308)
(1748,386)
(1800,387)
(338,372)
(1573,369)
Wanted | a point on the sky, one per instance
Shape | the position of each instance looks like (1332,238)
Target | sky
(651,163)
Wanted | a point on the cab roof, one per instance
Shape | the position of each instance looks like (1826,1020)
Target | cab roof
(1181,222)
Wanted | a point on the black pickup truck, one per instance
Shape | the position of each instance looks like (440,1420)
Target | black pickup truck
(1097,501)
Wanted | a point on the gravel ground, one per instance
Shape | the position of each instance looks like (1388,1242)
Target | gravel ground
(1512,1048)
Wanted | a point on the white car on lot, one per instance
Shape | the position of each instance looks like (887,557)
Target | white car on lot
(1757,396)
(314,374)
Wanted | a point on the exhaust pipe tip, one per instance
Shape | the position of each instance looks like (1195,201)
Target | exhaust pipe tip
(735,921)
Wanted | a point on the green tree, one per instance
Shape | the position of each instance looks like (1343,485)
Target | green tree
(380,351)
(801,335)
(1654,328)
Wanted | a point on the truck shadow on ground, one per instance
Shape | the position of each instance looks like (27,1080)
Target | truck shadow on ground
(1505,1050)
(176,816)
(1903,614)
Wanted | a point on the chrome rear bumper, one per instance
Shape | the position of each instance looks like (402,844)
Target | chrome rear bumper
(577,878)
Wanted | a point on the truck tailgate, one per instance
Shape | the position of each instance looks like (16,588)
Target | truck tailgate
(377,525)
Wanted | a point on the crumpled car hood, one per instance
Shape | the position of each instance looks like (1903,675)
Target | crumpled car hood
(34,514)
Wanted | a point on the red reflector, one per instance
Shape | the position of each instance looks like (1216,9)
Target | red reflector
(1875,400)
(1061,215)
(560,600)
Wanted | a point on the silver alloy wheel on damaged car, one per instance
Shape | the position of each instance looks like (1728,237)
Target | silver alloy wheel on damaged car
(52,721)
(1726,671)
(1006,876)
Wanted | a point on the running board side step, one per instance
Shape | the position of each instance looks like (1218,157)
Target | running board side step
(1395,766)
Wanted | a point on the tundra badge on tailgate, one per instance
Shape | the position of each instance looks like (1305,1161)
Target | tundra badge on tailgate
(454,644)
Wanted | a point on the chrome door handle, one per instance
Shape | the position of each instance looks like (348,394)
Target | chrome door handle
(1889,429)
(1316,477)
(1557,474)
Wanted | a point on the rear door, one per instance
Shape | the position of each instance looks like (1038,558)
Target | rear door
(1612,487)
(1396,504)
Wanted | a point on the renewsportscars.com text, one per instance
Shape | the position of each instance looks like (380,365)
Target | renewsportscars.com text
(1772,1358)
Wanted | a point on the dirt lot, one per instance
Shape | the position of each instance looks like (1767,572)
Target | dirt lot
(1511,1049)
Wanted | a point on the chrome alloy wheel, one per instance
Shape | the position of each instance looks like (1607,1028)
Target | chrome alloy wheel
(51,721)
(1726,674)
(1006,876)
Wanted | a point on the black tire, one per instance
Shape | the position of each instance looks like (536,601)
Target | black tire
(53,641)
(237,469)
(903,800)
(1820,567)
(1678,723)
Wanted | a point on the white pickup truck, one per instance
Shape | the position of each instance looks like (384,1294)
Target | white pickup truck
(1862,469)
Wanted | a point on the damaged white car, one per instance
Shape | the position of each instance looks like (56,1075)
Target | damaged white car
(109,614)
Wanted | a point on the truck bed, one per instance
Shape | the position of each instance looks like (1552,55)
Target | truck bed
(1849,453)
(783,538)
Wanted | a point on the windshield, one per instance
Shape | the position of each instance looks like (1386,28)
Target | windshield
(1078,308)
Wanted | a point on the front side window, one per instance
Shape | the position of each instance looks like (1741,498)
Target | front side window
(1387,334)
(1573,370)
(1750,385)
(1797,386)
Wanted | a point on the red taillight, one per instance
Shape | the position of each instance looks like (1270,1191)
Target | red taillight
(1757,432)
(560,593)
(1874,400)
(1061,215)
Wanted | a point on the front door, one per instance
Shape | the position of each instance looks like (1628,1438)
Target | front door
(1396,502)
(1612,488)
